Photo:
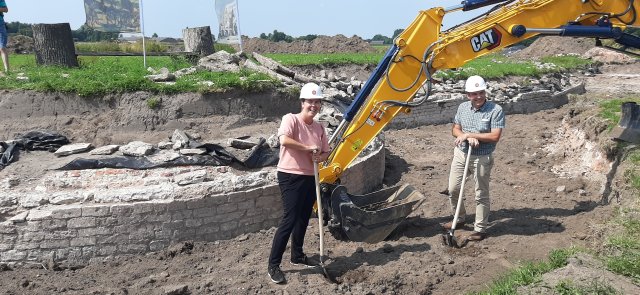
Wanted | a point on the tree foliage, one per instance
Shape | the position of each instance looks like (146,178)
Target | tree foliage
(384,39)
(84,33)
(277,37)
(88,34)
(307,37)
(18,28)
(396,33)
(280,36)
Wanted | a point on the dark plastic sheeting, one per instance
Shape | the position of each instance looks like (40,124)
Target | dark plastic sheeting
(43,140)
(261,156)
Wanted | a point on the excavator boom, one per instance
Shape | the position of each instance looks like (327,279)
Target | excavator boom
(422,49)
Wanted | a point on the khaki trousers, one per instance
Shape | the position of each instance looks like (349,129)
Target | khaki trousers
(480,167)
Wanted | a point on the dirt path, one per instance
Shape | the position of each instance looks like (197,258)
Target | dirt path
(533,212)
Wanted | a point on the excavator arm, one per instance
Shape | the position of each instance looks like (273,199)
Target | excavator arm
(421,50)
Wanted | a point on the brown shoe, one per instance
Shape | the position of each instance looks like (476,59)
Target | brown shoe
(448,225)
(477,236)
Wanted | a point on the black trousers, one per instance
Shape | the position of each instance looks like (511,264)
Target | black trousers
(298,196)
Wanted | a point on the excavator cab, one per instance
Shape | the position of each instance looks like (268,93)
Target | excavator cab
(371,217)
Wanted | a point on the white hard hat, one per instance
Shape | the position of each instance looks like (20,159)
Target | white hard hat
(311,91)
(474,84)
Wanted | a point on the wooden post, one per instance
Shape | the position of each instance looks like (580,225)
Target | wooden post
(53,45)
(198,40)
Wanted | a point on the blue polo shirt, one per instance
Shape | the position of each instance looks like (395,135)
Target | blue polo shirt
(489,116)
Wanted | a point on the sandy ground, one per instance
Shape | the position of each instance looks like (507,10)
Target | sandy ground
(533,211)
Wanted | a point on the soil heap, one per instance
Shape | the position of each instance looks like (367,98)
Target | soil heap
(322,44)
(555,45)
(20,44)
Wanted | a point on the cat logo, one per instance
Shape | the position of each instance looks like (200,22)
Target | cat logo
(486,40)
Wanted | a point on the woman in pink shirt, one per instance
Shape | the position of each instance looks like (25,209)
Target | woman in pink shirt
(303,143)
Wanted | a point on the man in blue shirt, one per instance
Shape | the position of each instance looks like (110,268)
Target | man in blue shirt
(4,36)
(478,123)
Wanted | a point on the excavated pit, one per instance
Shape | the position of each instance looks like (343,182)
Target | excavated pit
(79,215)
(76,215)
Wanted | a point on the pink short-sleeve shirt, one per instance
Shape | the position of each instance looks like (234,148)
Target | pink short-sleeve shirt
(296,161)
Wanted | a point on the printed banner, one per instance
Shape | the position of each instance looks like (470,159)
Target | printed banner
(113,15)
(227,11)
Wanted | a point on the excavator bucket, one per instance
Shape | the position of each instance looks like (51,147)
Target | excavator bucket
(372,217)
(628,128)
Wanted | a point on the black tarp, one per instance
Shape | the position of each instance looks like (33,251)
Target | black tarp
(139,162)
(8,155)
(43,140)
(260,156)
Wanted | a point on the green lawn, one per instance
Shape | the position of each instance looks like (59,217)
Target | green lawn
(107,74)
(498,66)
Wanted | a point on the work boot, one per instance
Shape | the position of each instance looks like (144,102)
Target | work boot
(276,275)
(305,260)
(477,236)
(448,225)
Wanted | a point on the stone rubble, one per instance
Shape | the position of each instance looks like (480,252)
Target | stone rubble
(137,149)
(105,150)
(341,89)
(71,149)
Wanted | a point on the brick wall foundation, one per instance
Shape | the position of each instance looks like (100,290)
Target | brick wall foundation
(77,233)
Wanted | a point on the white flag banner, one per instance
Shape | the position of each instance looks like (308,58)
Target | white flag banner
(228,29)
(113,15)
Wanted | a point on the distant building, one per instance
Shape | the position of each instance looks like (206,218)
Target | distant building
(130,39)
(376,42)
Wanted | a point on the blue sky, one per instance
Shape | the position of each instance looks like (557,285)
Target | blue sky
(364,18)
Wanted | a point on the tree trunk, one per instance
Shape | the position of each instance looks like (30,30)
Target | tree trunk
(198,40)
(53,45)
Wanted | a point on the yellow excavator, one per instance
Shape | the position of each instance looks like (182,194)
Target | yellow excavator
(417,53)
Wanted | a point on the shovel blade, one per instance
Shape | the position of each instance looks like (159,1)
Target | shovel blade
(327,276)
(449,239)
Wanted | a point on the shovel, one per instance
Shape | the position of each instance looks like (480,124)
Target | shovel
(320,224)
(449,238)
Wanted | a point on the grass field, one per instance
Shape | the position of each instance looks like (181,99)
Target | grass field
(106,74)
(150,46)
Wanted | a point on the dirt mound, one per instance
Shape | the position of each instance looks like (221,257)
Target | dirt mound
(554,45)
(322,44)
(20,44)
